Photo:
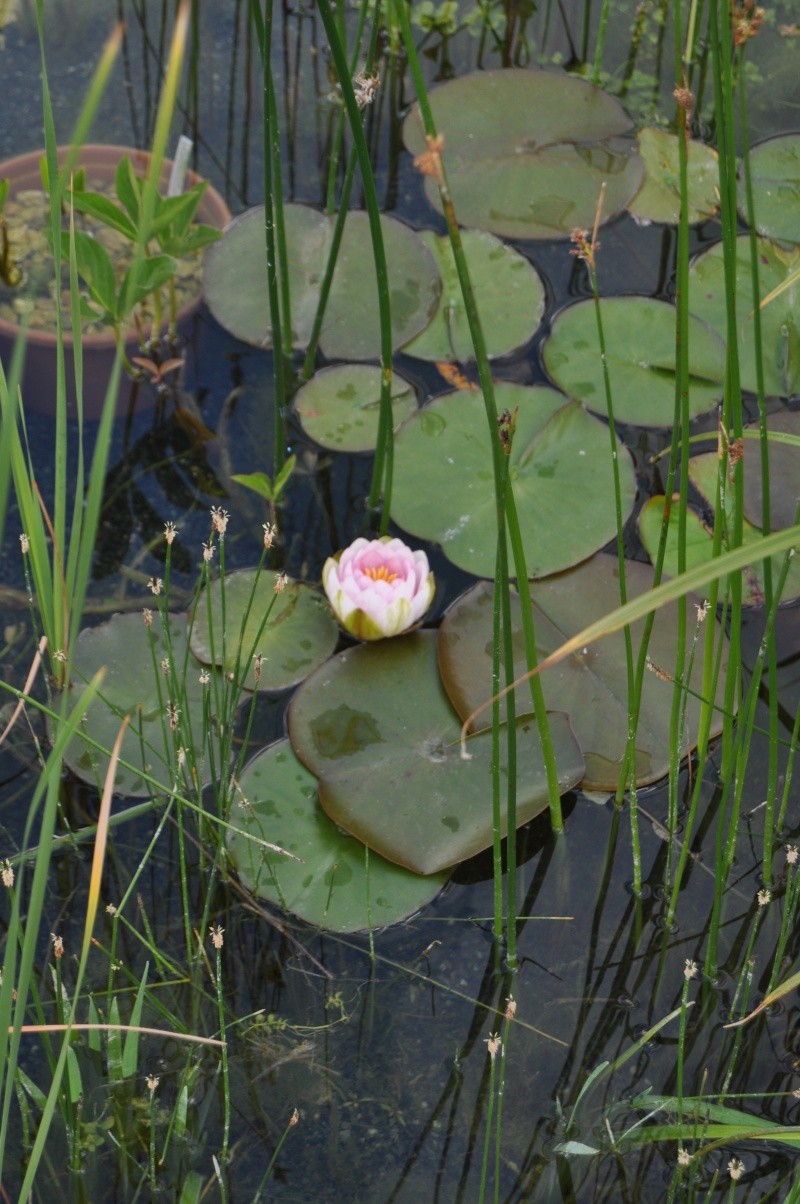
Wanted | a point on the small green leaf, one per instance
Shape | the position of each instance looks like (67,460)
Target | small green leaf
(282,479)
(129,189)
(259,482)
(143,277)
(114,1044)
(130,1052)
(104,209)
(95,269)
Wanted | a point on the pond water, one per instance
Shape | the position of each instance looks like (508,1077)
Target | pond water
(385,1055)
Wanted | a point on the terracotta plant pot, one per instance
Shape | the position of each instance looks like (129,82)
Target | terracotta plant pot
(39,372)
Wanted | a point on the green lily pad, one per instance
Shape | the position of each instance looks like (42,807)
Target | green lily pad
(775,174)
(135,684)
(339,407)
(336,884)
(297,636)
(590,687)
(508,290)
(560,469)
(639,334)
(703,475)
(235,275)
(235,282)
(659,198)
(780,319)
(526,152)
(784,474)
(375,726)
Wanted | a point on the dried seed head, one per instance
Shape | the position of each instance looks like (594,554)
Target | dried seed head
(216,931)
(147,615)
(430,161)
(764,897)
(689,969)
(684,1157)
(208,552)
(204,678)
(152,1082)
(735,1169)
(219,520)
(111,909)
(281,581)
(58,946)
(294,1118)
(511,1007)
(365,88)
(7,874)
(173,716)
(493,1044)
(165,666)
(791,854)
(258,661)
(24,543)
(169,532)
(155,585)
(270,534)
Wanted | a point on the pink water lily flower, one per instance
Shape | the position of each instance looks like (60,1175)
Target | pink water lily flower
(378,587)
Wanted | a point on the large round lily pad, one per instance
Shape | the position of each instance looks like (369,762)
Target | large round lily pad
(784,473)
(375,726)
(508,291)
(699,547)
(235,282)
(526,152)
(590,687)
(335,884)
(294,631)
(659,198)
(339,407)
(135,684)
(775,173)
(560,470)
(780,319)
(639,335)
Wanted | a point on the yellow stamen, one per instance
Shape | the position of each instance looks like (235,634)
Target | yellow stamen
(380,574)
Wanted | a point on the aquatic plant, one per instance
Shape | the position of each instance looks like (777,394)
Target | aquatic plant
(378,587)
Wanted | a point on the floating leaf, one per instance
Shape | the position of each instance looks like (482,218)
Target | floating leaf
(590,687)
(775,174)
(780,319)
(703,475)
(560,470)
(508,291)
(340,406)
(527,151)
(375,726)
(294,630)
(659,198)
(639,334)
(235,281)
(335,884)
(134,684)
(235,274)
(784,474)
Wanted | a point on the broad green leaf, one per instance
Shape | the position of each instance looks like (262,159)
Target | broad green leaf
(375,726)
(339,407)
(560,470)
(135,684)
(780,319)
(236,282)
(775,174)
(293,631)
(95,269)
(659,198)
(128,188)
(144,277)
(508,291)
(703,475)
(639,335)
(591,687)
(527,151)
(101,207)
(337,884)
(784,474)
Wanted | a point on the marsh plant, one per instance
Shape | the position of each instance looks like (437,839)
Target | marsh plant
(262,876)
